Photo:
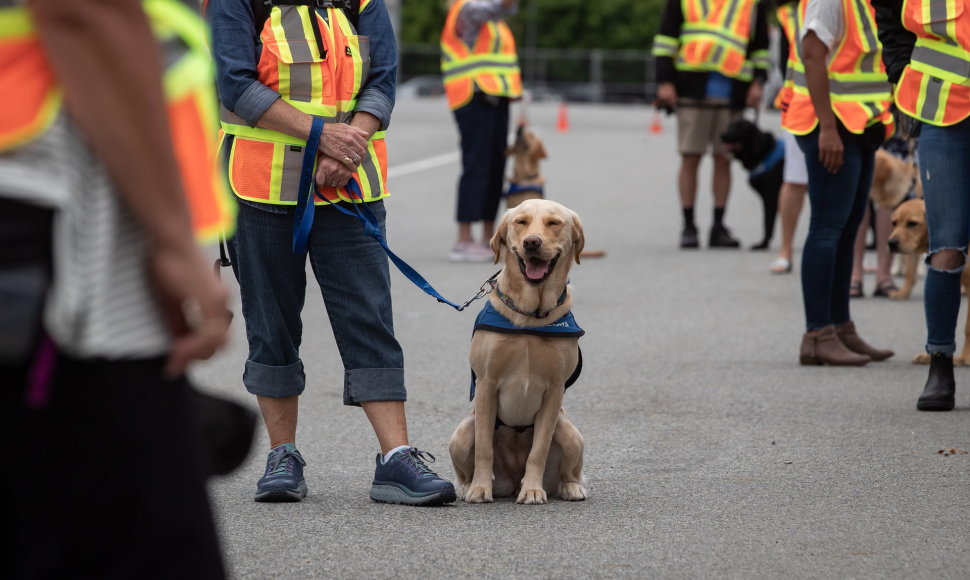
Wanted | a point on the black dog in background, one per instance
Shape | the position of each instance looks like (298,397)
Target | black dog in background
(764,157)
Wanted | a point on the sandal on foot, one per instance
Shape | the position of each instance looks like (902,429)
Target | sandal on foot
(855,289)
(886,289)
(780,266)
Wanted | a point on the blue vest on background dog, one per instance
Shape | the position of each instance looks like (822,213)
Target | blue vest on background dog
(490,319)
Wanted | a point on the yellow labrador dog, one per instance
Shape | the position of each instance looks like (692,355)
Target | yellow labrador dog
(518,441)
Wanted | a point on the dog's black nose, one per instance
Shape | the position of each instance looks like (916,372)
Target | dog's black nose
(894,246)
(532,243)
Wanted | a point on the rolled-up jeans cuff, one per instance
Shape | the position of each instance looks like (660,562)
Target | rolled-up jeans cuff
(274,381)
(366,385)
(947,349)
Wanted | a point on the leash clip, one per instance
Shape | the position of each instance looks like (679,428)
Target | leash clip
(484,291)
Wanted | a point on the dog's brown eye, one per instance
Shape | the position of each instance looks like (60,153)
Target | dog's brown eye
(912,224)
(555,222)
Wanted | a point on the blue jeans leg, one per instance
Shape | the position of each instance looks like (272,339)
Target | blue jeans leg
(838,203)
(944,154)
(352,271)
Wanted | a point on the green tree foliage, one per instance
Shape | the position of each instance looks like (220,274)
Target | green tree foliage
(581,24)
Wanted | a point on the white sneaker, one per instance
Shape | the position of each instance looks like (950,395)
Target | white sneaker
(470,252)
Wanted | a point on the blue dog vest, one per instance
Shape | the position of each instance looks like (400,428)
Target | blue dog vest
(490,319)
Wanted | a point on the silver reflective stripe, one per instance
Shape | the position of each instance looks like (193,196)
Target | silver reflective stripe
(869,30)
(941,60)
(718,53)
(837,87)
(292,171)
(292,24)
(938,19)
(931,98)
(369,168)
(458,70)
(690,30)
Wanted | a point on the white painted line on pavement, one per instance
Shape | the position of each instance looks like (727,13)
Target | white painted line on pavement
(422,164)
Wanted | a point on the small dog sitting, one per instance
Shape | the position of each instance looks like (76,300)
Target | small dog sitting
(910,237)
(764,157)
(526,181)
(524,353)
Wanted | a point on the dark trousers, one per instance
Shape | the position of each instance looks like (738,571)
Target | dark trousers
(484,126)
(838,203)
(105,477)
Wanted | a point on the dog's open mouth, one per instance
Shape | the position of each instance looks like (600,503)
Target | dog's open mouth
(535,269)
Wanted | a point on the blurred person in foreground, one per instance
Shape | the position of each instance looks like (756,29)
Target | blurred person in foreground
(481,75)
(289,73)
(712,62)
(839,113)
(927,58)
(105,295)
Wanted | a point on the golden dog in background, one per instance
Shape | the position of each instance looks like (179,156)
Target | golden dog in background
(518,441)
(892,179)
(526,152)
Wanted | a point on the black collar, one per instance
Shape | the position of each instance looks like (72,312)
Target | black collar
(507,300)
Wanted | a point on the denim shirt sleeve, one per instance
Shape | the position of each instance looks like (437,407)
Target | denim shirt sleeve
(236,51)
(377,93)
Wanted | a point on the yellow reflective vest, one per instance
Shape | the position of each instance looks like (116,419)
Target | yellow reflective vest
(321,79)
(858,87)
(492,64)
(714,37)
(935,85)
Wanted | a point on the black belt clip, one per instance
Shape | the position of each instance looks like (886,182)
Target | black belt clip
(343,4)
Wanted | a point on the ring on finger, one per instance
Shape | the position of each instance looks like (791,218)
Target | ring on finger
(356,159)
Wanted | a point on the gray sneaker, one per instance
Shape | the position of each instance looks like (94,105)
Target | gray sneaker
(406,479)
(283,479)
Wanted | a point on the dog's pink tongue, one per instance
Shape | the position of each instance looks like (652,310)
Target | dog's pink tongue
(536,269)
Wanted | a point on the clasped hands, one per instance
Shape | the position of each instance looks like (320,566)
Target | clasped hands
(342,148)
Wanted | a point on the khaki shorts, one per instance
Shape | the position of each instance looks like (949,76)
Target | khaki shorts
(700,127)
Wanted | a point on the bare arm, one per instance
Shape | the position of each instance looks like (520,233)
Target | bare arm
(814,55)
(109,65)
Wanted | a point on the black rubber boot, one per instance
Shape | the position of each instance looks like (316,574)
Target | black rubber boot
(940,390)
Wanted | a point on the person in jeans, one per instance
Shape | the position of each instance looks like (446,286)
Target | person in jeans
(839,59)
(280,71)
(481,75)
(927,57)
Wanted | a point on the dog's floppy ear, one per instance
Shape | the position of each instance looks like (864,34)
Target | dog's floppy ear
(498,240)
(579,237)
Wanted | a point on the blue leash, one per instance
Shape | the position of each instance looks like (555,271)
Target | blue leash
(305,208)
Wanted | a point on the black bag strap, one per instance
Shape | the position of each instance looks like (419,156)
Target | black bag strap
(262,8)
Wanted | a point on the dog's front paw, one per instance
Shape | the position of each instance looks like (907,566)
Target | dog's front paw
(532,497)
(478,494)
(921,359)
(572,492)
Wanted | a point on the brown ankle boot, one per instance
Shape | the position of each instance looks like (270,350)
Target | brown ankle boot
(823,347)
(851,339)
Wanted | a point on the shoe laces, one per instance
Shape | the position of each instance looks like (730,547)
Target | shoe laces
(416,459)
(284,462)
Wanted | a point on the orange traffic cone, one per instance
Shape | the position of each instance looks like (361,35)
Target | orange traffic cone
(656,126)
(562,124)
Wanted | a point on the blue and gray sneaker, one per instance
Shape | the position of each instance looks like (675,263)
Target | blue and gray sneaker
(283,480)
(406,479)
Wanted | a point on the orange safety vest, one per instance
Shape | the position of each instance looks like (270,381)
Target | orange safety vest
(264,165)
(715,37)
(934,86)
(788,19)
(858,87)
(32,101)
(492,64)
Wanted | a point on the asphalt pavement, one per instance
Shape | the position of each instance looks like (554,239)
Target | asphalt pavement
(710,452)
